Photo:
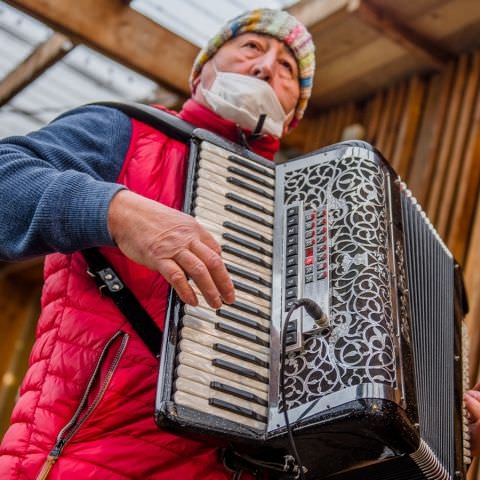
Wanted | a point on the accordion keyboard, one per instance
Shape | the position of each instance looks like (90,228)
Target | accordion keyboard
(223,355)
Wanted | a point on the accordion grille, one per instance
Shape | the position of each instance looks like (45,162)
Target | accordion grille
(430,282)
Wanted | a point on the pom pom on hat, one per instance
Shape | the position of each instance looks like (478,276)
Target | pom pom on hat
(278,24)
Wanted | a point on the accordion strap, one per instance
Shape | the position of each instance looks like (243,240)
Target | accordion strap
(111,285)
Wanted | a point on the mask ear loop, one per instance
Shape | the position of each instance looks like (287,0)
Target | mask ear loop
(257,132)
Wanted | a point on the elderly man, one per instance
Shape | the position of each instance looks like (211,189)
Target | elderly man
(95,177)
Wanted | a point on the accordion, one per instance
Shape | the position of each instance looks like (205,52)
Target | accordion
(372,389)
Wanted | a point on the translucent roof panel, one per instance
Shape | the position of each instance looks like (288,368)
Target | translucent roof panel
(197,20)
(85,76)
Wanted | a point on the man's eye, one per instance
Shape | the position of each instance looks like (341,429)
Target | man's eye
(287,65)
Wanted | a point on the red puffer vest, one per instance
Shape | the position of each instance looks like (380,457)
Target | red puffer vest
(86,404)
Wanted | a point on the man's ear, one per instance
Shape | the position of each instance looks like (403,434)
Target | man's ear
(195,84)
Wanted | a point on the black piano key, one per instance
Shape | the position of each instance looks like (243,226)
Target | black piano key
(237,332)
(246,256)
(247,308)
(251,290)
(251,166)
(238,392)
(248,322)
(249,203)
(247,357)
(239,370)
(250,187)
(249,275)
(250,216)
(245,412)
(250,176)
(247,244)
(248,232)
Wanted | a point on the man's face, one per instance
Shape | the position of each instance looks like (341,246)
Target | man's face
(261,56)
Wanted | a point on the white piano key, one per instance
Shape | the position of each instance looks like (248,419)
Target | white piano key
(215,318)
(210,180)
(225,168)
(202,405)
(204,391)
(204,312)
(204,365)
(192,325)
(218,230)
(188,346)
(204,378)
(208,149)
(221,200)
(216,214)
(215,183)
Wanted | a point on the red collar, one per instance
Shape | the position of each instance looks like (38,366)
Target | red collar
(201,116)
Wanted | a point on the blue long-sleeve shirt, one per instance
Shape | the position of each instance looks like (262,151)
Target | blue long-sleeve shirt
(56,183)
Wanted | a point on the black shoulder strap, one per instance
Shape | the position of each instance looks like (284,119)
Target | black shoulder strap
(108,281)
(165,122)
(111,285)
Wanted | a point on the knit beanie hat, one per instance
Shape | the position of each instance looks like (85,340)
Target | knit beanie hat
(278,24)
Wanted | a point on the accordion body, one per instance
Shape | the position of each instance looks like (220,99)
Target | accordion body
(378,396)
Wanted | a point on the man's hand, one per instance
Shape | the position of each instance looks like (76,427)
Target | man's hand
(171,243)
(472,402)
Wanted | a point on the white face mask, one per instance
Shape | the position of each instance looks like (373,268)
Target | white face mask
(243,99)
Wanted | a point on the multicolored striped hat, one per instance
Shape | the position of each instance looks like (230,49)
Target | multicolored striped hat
(278,24)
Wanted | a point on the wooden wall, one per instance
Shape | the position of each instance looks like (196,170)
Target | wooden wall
(429,129)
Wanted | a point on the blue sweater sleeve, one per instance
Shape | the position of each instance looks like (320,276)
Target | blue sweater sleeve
(56,184)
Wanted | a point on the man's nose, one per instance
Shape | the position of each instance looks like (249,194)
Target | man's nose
(263,68)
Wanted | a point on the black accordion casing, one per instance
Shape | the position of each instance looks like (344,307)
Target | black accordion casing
(380,396)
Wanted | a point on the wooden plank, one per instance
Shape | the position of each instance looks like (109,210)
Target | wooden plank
(433,122)
(374,120)
(472,285)
(433,204)
(457,160)
(121,33)
(409,126)
(468,188)
(20,306)
(386,118)
(312,12)
(387,24)
(393,129)
(43,57)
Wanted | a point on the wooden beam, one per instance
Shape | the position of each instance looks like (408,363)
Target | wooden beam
(116,30)
(389,26)
(312,12)
(42,58)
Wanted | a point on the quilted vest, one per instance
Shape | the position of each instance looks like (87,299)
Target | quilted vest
(86,404)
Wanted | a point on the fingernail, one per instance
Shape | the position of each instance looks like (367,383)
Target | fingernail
(217,303)
(230,298)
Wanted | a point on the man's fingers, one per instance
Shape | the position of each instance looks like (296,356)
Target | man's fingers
(199,273)
(207,238)
(217,270)
(175,276)
(472,402)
